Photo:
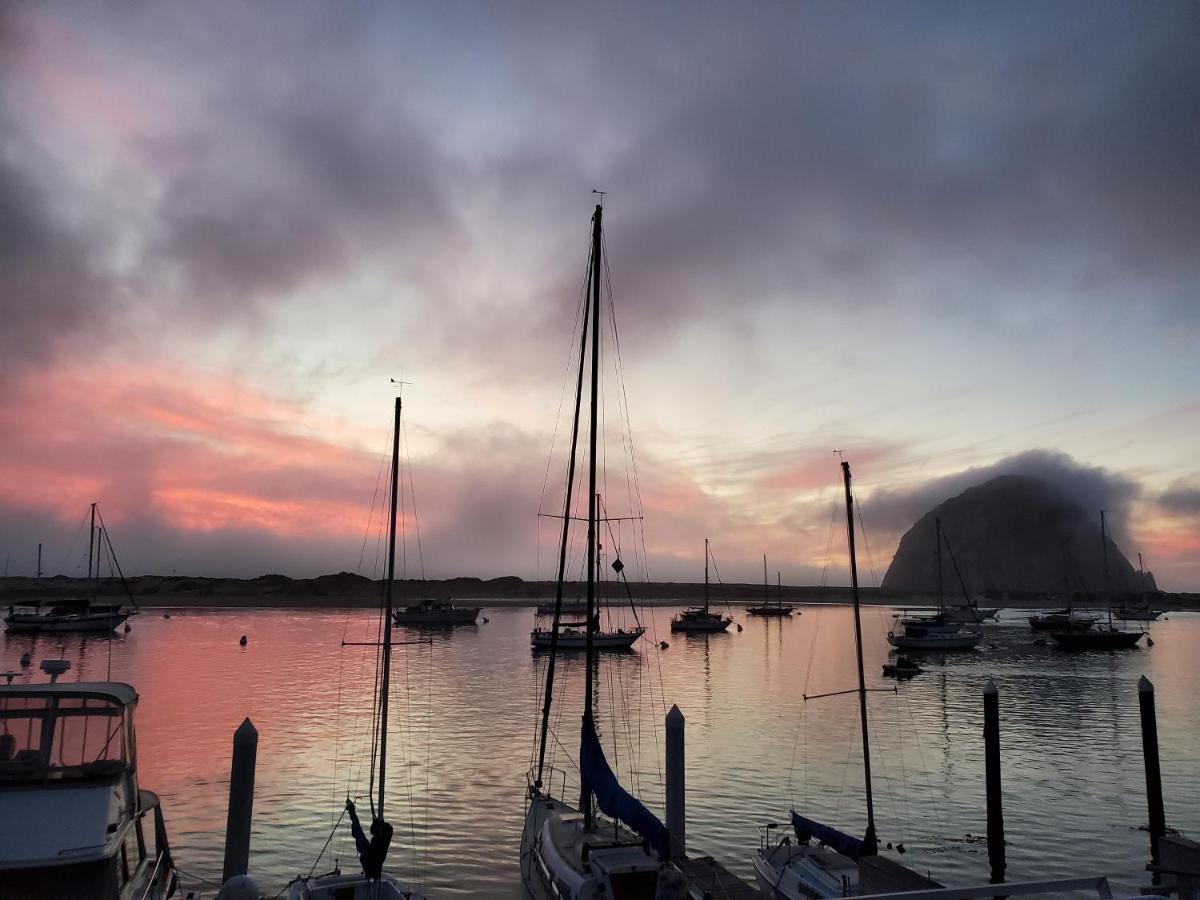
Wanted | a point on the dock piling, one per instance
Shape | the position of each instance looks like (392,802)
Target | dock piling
(995,808)
(1154,797)
(241,801)
(676,804)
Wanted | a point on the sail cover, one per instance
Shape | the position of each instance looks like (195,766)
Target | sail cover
(838,841)
(614,800)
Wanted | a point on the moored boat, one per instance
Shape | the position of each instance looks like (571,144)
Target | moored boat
(767,608)
(701,619)
(938,631)
(74,822)
(436,613)
(609,845)
(82,614)
(372,883)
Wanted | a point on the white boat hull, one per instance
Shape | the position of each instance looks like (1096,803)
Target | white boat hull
(350,887)
(963,640)
(437,617)
(800,872)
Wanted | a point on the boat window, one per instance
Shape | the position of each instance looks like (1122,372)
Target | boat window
(57,736)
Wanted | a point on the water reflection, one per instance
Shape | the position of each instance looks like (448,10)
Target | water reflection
(465,713)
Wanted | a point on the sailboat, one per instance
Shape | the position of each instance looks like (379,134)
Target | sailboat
(768,608)
(372,883)
(939,631)
(579,852)
(76,614)
(1101,635)
(823,861)
(701,618)
(1140,611)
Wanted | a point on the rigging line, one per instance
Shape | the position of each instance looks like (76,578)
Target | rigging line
(332,832)
(829,544)
(371,513)
(413,494)
(958,574)
(866,543)
(113,557)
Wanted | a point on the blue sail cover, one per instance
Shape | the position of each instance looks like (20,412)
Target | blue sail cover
(613,800)
(838,841)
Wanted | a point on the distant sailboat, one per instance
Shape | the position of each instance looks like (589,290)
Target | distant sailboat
(701,618)
(1101,635)
(768,608)
(569,852)
(82,614)
(937,632)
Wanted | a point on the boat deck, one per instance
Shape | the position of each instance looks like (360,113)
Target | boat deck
(708,878)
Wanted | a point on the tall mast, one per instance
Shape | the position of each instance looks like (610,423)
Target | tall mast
(706,574)
(937,524)
(779,589)
(91,541)
(548,698)
(766,595)
(39,568)
(385,679)
(1104,549)
(585,803)
(870,844)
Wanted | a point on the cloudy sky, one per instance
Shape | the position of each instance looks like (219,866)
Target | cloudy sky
(949,239)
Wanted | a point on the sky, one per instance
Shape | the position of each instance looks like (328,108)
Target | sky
(951,240)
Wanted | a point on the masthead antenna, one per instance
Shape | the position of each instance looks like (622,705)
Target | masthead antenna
(601,193)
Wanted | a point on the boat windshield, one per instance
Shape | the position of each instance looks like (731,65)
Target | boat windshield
(57,737)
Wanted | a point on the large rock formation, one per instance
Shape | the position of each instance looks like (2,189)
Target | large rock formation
(1012,533)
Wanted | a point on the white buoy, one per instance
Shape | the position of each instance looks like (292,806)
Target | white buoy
(239,887)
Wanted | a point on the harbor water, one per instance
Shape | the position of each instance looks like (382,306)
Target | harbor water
(465,712)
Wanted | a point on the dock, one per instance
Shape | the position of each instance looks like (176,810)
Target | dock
(709,880)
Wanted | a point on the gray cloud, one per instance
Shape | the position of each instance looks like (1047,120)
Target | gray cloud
(1093,488)
(1182,498)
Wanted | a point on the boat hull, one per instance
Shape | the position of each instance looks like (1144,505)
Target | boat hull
(1096,640)
(95,623)
(605,640)
(782,611)
(350,887)
(939,641)
(1137,615)
(713,627)
(795,872)
(437,618)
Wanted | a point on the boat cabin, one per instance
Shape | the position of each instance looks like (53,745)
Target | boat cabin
(73,822)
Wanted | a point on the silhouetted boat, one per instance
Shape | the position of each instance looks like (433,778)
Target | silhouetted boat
(1099,635)
(82,614)
(823,861)
(1140,611)
(701,618)
(372,883)
(571,852)
(73,820)
(437,613)
(768,608)
(1059,620)
(936,632)
(903,667)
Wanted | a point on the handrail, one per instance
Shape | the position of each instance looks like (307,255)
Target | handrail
(150,884)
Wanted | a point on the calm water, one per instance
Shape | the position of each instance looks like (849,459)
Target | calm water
(464,715)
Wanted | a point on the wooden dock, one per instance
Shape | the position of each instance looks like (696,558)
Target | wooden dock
(709,880)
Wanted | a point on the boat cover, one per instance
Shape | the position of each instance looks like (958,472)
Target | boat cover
(838,841)
(614,800)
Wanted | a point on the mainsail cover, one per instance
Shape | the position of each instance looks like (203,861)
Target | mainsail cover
(614,800)
(839,841)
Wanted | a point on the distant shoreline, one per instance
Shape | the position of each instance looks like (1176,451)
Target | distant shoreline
(345,590)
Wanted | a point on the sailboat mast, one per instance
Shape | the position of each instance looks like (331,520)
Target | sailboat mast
(585,802)
(706,574)
(91,541)
(386,651)
(779,588)
(766,588)
(1104,549)
(548,698)
(39,567)
(870,844)
(937,524)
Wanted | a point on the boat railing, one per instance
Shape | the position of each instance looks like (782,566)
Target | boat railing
(554,783)
(1097,883)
